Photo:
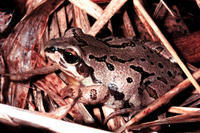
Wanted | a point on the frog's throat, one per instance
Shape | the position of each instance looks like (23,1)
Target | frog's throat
(88,81)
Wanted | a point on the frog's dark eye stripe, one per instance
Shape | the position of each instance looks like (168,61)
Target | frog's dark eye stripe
(51,49)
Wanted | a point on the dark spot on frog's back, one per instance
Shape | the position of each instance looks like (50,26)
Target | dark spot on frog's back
(99,59)
(162,79)
(115,58)
(110,66)
(143,73)
(123,45)
(142,59)
(129,80)
(151,63)
(113,91)
(160,65)
(151,51)
(103,59)
(169,73)
(144,47)
(140,70)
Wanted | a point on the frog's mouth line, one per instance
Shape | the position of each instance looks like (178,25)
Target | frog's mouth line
(64,69)
(69,73)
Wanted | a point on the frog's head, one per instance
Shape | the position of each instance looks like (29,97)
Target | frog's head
(68,57)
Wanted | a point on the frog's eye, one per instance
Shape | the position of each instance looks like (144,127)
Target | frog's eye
(50,49)
(71,56)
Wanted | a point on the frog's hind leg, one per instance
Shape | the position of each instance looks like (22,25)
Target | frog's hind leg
(161,50)
(148,95)
(131,110)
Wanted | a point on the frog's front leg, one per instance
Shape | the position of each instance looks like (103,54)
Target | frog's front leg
(143,97)
(151,89)
(88,91)
(94,94)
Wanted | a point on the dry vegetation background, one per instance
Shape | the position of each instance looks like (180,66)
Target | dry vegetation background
(26,25)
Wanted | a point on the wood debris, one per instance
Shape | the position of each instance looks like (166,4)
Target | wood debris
(45,100)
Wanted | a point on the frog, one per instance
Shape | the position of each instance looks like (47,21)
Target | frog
(115,71)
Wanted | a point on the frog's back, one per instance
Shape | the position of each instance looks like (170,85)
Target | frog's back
(133,72)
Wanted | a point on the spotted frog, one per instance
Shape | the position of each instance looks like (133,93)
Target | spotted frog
(117,71)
